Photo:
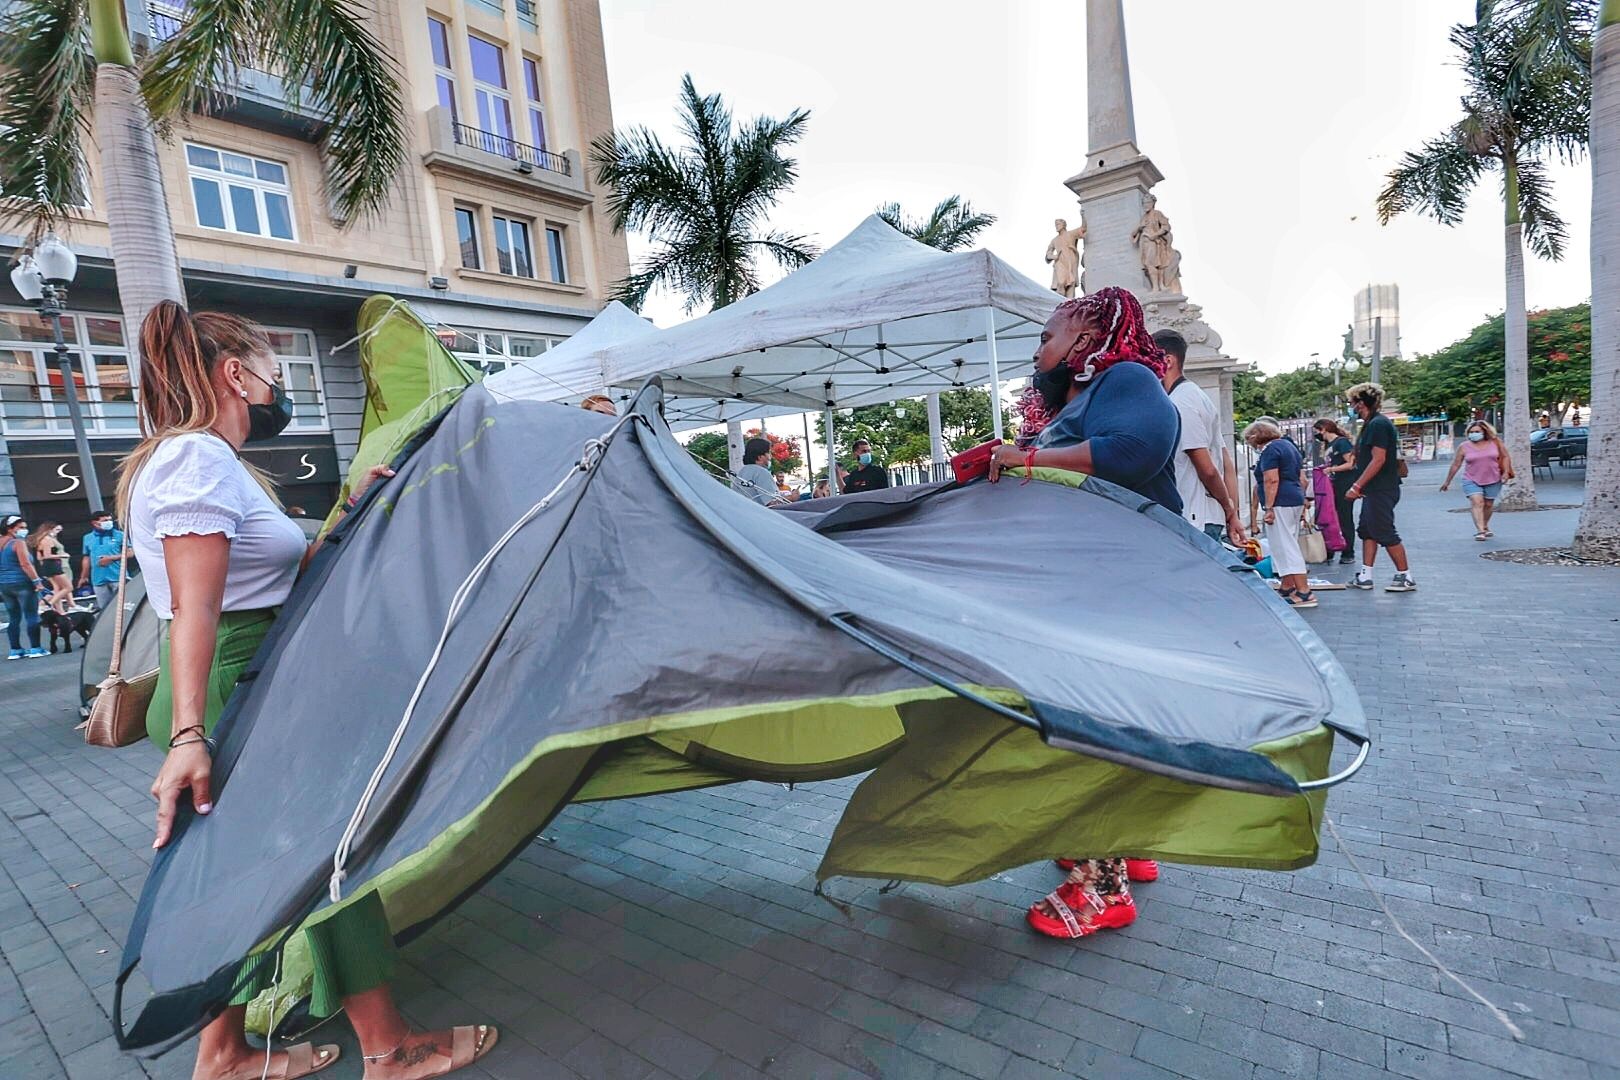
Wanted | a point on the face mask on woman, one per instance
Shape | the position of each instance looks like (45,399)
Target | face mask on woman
(1053,386)
(1476,436)
(268,421)
(20,534)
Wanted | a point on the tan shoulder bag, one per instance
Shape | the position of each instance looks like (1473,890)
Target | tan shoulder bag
(118,715)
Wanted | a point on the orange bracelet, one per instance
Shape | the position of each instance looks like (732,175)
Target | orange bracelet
(1029,465)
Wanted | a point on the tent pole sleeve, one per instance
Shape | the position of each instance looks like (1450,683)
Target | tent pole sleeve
(995,372)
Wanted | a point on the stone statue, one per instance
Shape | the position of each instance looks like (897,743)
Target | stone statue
(1064,255)
(1161,262)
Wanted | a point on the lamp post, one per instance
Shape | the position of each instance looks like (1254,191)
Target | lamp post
(42,279)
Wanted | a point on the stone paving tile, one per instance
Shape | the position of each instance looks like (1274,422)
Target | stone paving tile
(679,936)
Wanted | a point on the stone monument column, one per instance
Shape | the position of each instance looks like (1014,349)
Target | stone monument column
(1128,242)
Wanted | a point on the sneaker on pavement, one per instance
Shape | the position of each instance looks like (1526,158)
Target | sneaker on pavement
(16,654)
(35,654)
(1402,582)
(1361,581)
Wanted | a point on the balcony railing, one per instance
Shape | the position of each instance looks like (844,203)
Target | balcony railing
(501,146)
(166,20)
(528,14)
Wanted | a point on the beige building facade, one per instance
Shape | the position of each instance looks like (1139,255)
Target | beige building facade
(494,233)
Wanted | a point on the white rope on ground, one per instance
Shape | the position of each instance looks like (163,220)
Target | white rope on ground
(1502,1017)
(588,460)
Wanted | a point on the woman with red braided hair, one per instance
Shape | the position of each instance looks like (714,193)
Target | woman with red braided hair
(1096,405)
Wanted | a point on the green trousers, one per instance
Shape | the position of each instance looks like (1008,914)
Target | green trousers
(351,948)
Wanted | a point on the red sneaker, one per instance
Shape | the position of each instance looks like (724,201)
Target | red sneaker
(1135,869)
(1079,913)
(1141,869)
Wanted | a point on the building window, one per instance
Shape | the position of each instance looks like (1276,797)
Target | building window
(444,73)
(513,251)
(490,350)
(531,86)
(467,237)
(489,90)
(557,252)
(240,194)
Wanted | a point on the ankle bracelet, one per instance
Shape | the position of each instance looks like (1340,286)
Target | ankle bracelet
(382,1056)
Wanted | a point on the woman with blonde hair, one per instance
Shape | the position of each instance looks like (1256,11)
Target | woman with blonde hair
(1486,464)
(52,560)
(221,558)
(1276,482)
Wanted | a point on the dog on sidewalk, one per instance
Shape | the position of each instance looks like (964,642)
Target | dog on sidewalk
(63,627)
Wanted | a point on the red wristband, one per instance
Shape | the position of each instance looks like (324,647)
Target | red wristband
(1029,465)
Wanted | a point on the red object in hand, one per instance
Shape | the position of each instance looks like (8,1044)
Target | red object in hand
(974,463)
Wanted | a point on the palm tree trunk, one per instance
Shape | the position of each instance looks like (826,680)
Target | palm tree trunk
(144,256)
(1597,536)
(1520,492)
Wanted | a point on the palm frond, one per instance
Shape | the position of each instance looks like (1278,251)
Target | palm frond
(650,186)
(325,51)
(760,172)
(324,54)
(1544,231)
(790,251)
(1559,29)
(1435,180)
(47,85)
(950,226)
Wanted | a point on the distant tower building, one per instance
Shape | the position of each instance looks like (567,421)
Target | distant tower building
(1378,311)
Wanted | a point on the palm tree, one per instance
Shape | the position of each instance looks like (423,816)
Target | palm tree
(952,225)
(1597,536)
(1515,112)
(703,204)
(65,64)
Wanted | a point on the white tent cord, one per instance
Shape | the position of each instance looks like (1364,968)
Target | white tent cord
(593,453)
(1502,1017)
(270,1028)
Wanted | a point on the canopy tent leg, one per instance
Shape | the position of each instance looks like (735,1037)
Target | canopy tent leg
(936,433)
(832,455)
(809,459)
(995,372)
(734,447)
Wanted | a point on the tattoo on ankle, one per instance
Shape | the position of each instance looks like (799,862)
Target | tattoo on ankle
(415,1055)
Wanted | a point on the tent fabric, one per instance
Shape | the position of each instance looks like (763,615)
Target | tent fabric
(878,316)
(410,377)
(571,370)
(649,630)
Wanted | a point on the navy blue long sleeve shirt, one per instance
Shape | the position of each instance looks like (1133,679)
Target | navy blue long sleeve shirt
(1133,428)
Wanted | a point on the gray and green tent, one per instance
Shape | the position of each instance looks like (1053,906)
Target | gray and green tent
(1026,671)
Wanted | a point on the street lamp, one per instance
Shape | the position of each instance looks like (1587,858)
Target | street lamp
(42,279)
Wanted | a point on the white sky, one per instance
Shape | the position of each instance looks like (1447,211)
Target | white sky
(1272,120)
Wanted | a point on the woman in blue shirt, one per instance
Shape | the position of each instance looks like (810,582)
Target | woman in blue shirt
(1097,406)
(1276,478)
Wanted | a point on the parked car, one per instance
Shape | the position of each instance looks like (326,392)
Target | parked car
(1557,444)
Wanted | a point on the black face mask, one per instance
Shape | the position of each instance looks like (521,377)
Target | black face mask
(1053,386)
(268,421)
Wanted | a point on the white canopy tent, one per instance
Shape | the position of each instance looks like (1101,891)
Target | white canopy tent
(876,318)
(571,369)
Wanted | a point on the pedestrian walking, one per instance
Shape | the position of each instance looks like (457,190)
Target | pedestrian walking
(1097,405)
(51,559)
(20,588)
(1276,479)
(1339,463)
(1485,465)
(221,558)
(98,568)
(1206,501)
(1378,487)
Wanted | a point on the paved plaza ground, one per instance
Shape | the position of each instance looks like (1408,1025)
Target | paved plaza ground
(679,935)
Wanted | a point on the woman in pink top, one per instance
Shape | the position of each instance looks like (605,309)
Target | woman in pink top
(1485,464)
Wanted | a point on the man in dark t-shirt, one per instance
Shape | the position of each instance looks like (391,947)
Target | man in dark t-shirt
(865,476)
(1378,486)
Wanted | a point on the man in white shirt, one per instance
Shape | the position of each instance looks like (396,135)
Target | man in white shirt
(1205,499)
(754,479)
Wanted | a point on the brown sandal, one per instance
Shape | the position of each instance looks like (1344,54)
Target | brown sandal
(468,1044)
(305,1059)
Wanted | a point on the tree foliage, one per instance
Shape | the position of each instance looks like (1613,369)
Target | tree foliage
(703,205)
(1467,374)
(1309,391)
(950,226)
(710,448)
(964,420)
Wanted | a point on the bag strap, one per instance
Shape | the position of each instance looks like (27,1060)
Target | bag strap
(118,620)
